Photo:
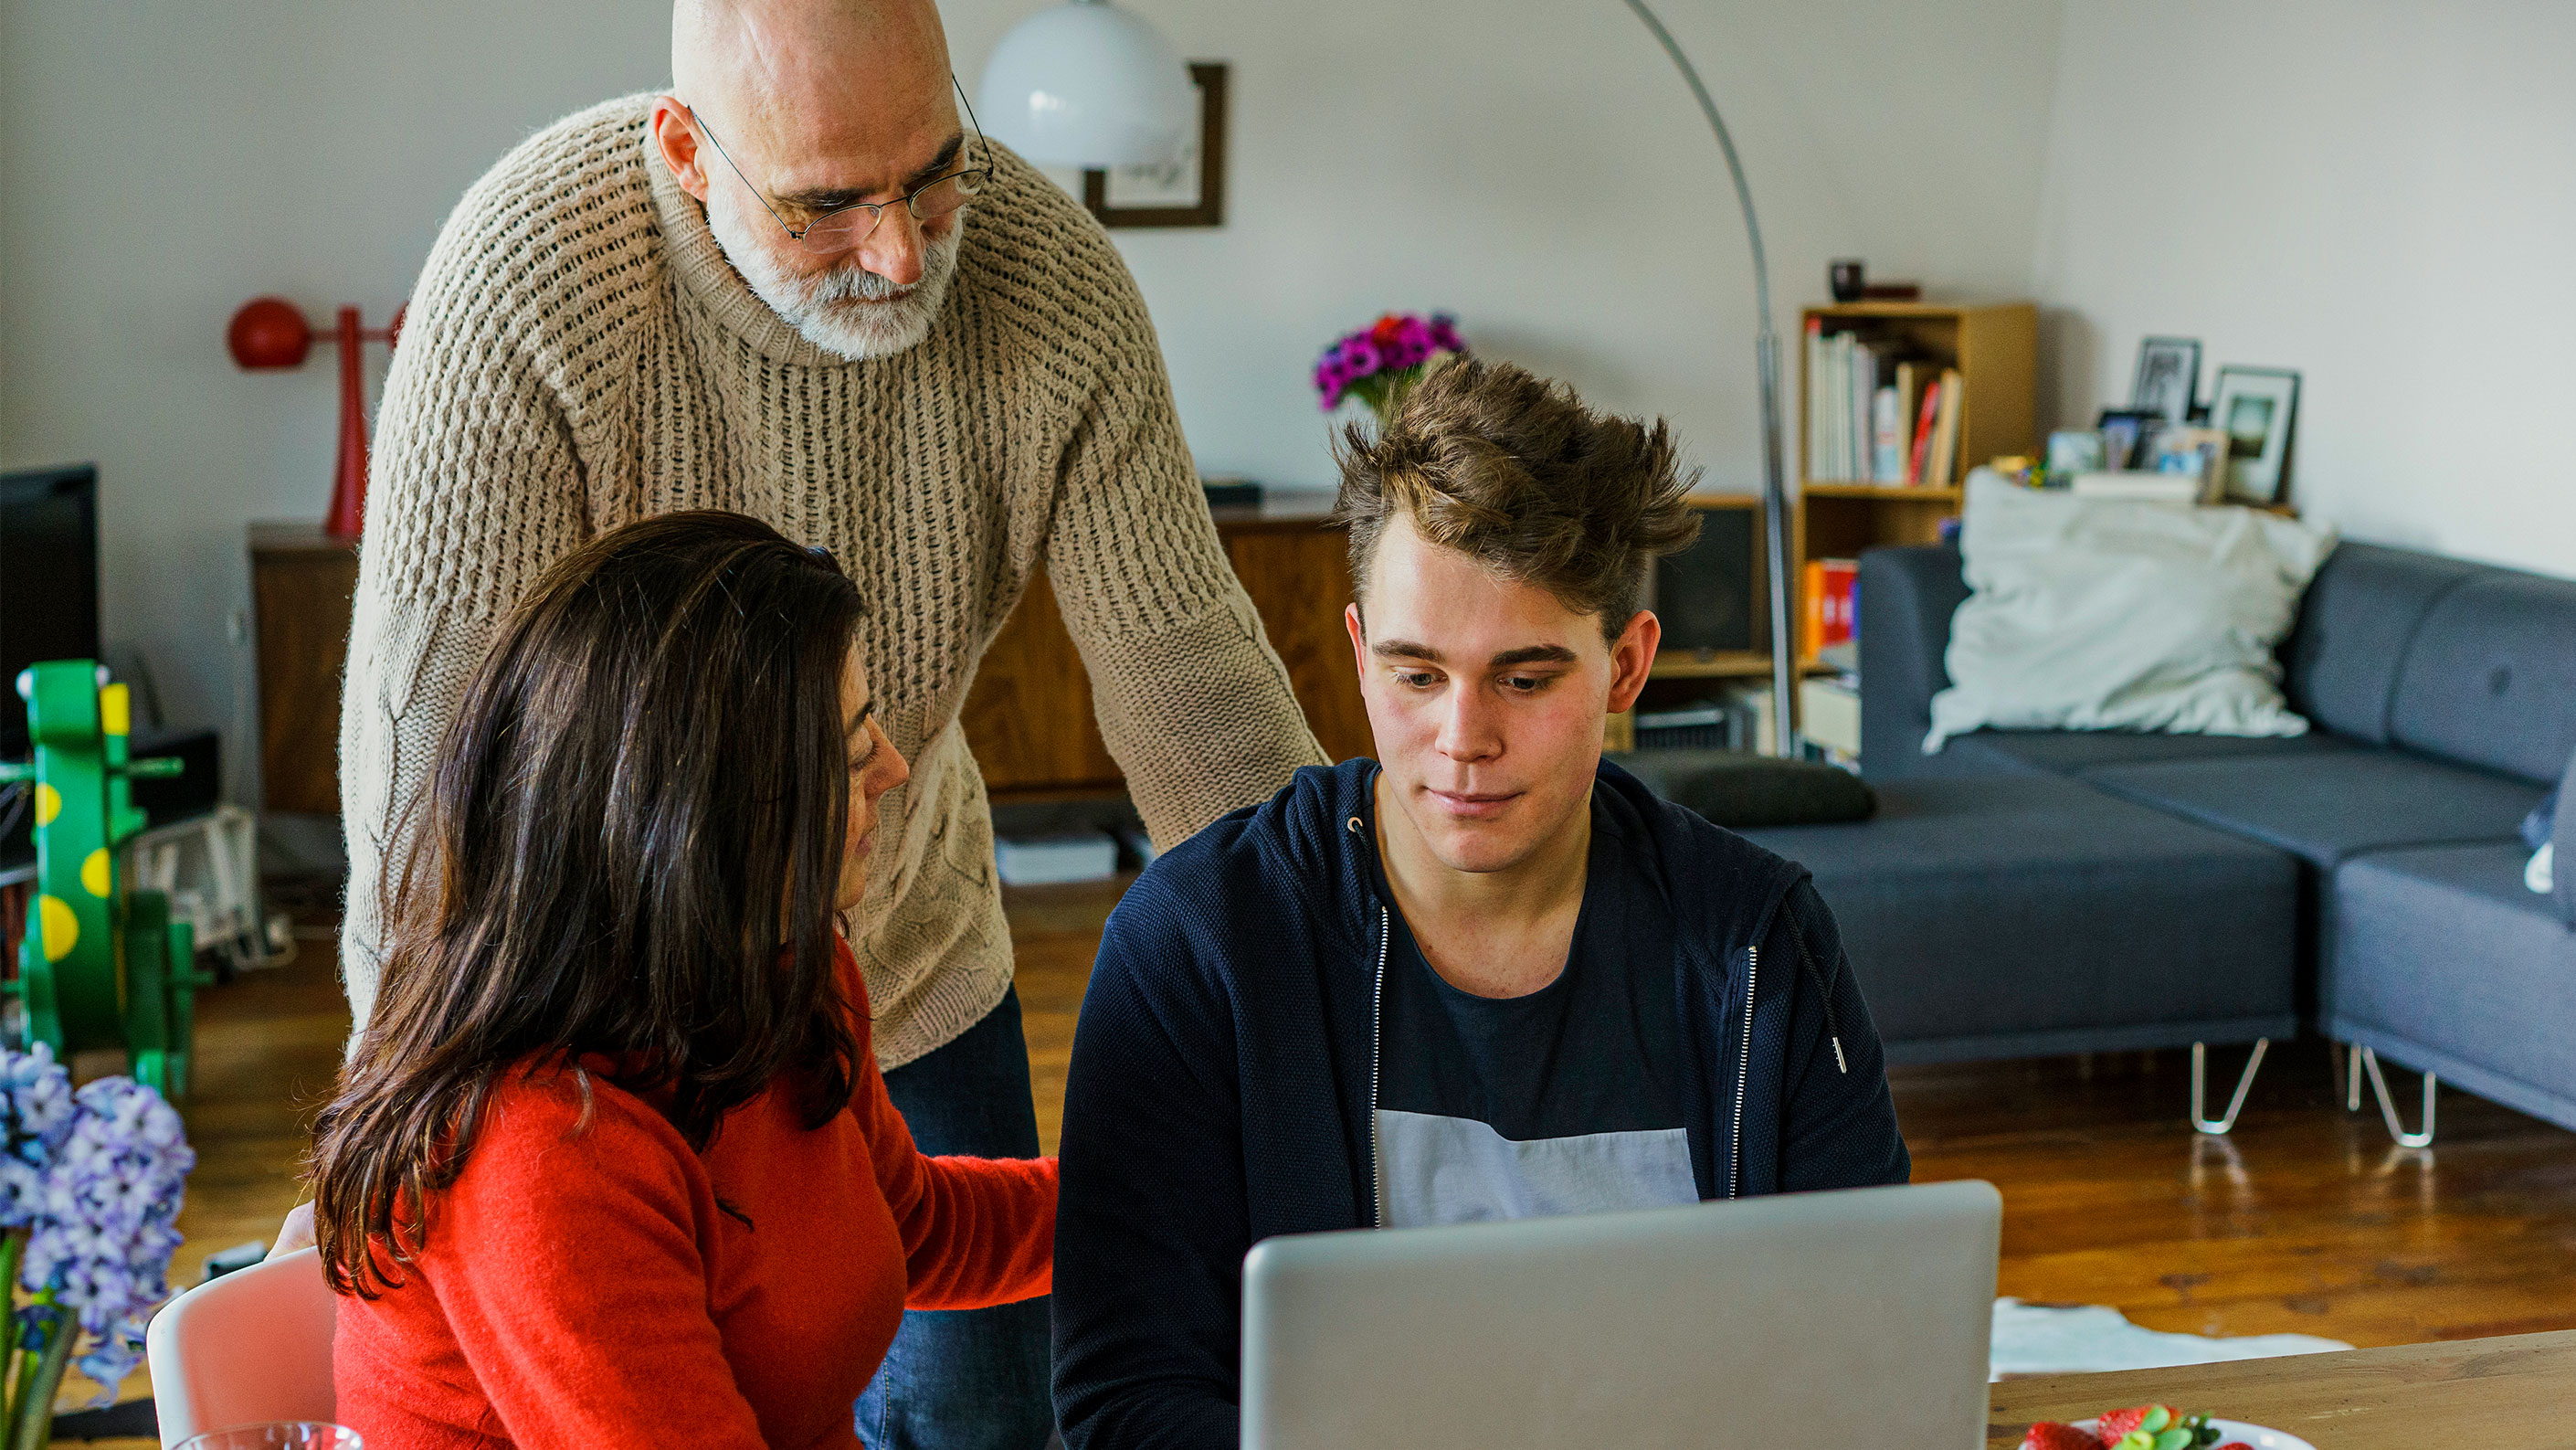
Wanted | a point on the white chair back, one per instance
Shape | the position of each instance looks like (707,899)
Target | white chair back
(252,1346)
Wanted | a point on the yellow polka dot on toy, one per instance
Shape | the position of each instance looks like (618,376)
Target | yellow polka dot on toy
(94,874)
(58,927)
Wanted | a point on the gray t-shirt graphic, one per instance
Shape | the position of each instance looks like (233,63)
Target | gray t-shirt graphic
(1562,1101)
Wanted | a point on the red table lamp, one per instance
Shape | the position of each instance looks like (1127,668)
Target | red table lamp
(271,333)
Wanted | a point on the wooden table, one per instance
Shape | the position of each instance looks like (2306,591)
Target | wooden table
(2519,1390)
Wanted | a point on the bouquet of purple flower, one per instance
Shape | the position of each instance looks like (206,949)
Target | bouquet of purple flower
(1378,362)
(90,1184)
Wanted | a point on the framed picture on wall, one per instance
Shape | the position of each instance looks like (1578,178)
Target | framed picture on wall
(2256,408)
(2168,378)
(1190,190)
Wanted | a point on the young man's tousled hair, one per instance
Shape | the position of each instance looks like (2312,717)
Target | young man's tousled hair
(1516,473)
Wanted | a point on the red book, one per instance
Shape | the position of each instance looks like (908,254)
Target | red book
(1927,415)
(1837,578)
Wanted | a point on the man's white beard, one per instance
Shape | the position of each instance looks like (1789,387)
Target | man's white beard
(848,311)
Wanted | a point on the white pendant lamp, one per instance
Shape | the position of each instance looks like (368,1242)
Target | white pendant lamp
(1087,84)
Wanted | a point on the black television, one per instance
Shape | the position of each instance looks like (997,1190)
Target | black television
(48,580)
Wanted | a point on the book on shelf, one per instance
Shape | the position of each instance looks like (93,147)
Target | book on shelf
(1820,386)
(1910,379)
(1887,432)
(1829,715)
(1926,416)
(1831,596)
(1941,461)
(1864,397)
(1875,410)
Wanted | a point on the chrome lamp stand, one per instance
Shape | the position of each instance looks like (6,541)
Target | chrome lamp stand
(1766,364)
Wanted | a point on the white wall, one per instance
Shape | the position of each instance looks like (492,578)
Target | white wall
(2380,195)
(1537,167)
(1533,165)
(164,161)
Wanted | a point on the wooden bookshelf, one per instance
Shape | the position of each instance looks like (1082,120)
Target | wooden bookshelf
(1995,347)
(1682,664)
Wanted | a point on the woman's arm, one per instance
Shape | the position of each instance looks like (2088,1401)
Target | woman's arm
(976,1231)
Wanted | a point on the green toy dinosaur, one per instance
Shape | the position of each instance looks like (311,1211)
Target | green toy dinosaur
(100,966)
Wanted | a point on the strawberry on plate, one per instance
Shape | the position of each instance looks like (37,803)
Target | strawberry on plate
(2116,1425)
(2051,1435)
(2162,1427)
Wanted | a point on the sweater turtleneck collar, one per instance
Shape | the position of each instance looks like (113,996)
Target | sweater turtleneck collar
(700,264)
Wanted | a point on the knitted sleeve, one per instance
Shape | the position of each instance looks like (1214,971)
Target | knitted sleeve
(1192,701)
(476,489)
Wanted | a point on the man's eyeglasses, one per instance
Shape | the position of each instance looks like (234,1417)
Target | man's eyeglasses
(845,227)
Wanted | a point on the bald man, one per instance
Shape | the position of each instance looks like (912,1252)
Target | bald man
(801,286)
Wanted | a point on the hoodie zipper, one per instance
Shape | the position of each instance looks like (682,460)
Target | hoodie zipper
(1744,1068)
(1377,1003)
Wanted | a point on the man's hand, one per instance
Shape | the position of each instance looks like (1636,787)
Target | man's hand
(296,1232)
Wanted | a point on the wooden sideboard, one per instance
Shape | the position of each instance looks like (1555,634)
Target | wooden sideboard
(1029,718)
(301,584)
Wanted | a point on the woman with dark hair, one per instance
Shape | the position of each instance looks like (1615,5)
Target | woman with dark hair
(612,1163)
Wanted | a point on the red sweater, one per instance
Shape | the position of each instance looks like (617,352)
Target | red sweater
(580,1288)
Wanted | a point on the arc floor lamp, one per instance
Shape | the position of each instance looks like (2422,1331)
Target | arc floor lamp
(1088,84)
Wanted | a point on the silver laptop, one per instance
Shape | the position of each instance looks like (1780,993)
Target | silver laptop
(1856,1317)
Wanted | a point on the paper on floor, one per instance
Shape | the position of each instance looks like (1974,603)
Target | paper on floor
(2039,1339)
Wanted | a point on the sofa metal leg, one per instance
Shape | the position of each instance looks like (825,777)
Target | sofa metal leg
(2200,1120)
(2351,1077)
(2388,1107)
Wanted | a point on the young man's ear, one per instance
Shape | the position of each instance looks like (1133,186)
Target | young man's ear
(1632,658)
(1359,637)
(676,136)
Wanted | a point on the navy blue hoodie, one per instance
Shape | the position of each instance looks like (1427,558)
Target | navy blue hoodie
(1225,1064)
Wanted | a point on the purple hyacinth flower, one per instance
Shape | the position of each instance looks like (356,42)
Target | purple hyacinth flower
(102,1210)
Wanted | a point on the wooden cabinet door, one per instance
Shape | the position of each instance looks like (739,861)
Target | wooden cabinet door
(301,584)
(1029,718)
(1299,581)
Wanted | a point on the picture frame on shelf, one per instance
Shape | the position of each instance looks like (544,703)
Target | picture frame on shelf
(2199,453)
(2257,409)
(2127,433)
(2074,451)
(1190,191)
(2167,379)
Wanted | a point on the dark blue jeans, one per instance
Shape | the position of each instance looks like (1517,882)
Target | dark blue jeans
(966,1379)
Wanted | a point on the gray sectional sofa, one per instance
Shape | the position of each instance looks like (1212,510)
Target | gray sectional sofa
(2033,892)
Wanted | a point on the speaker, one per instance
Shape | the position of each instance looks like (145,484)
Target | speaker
(1710,595)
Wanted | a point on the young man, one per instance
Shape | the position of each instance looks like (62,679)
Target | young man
(1485,976)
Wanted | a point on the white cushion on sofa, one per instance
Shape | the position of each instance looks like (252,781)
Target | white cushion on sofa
(2100,614)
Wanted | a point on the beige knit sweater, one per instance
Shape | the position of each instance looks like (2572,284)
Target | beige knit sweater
(579,354)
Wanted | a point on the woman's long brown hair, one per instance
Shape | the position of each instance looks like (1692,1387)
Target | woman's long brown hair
(633,839)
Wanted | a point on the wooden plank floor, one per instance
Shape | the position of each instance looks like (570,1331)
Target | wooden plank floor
(2305,1220)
